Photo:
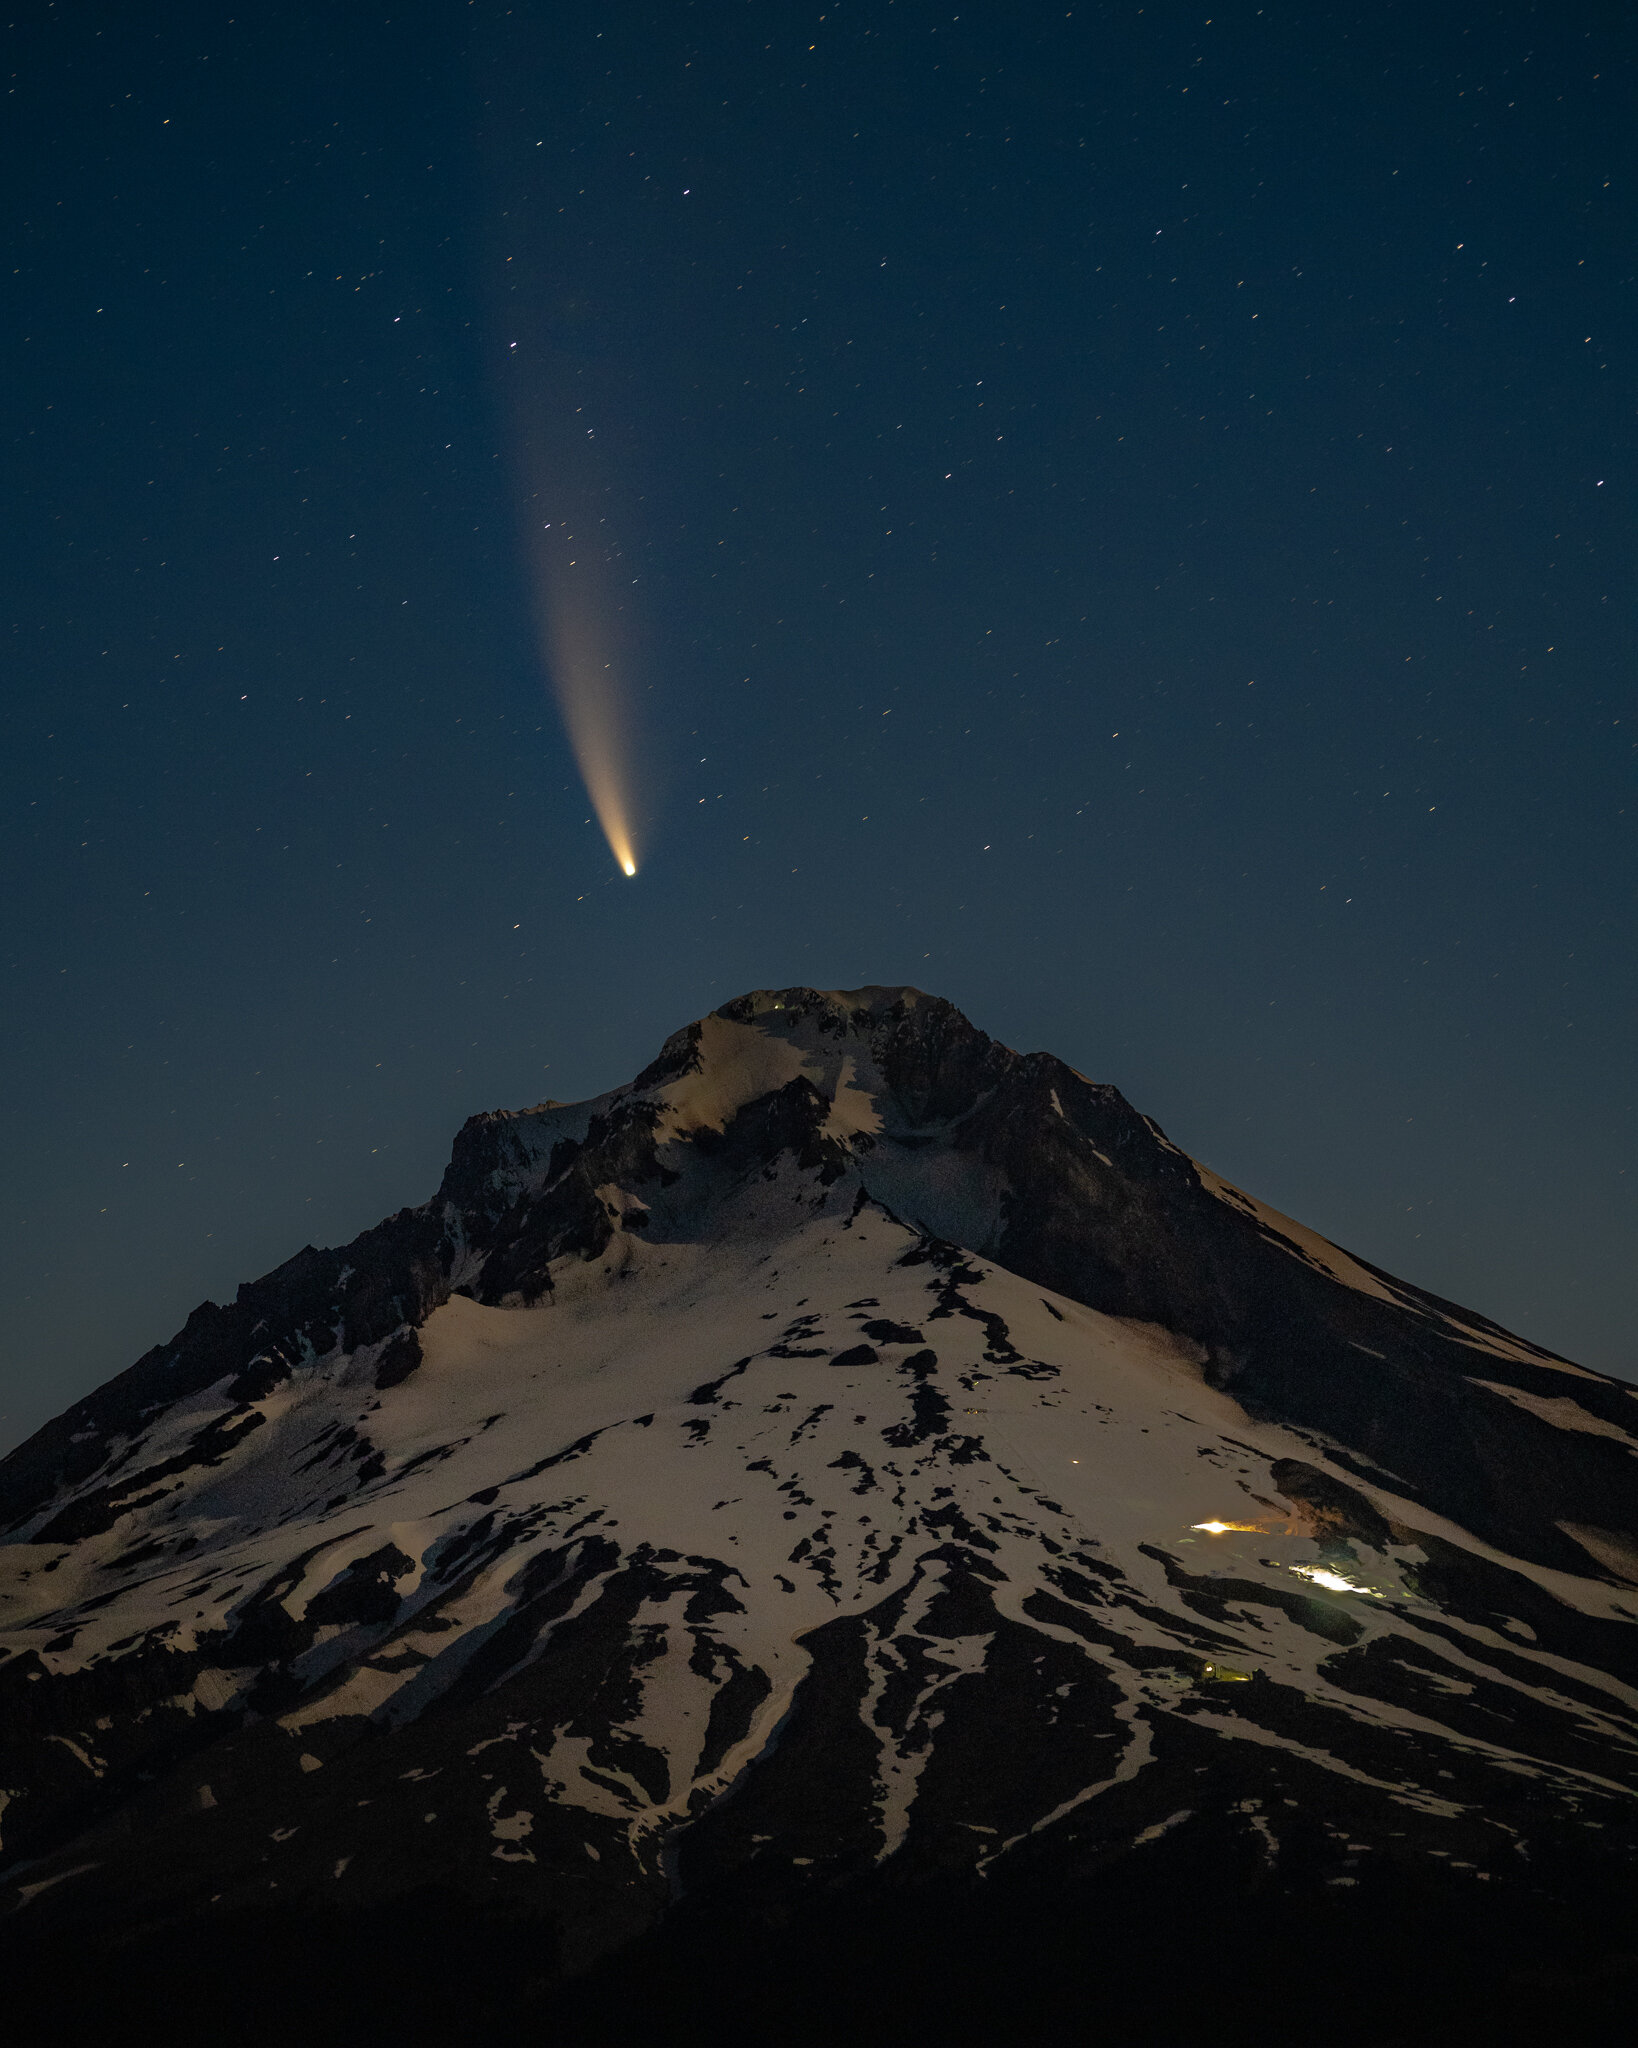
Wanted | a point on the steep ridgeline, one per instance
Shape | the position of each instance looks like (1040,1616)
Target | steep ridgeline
(854,1464)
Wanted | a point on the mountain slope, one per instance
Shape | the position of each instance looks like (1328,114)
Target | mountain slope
(853,1463)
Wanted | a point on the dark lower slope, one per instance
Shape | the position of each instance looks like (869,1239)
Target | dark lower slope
(1190,1938)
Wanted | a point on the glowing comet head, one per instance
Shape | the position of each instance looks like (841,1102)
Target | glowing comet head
(630,866)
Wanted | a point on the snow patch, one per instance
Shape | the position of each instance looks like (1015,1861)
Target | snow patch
(1558,1409)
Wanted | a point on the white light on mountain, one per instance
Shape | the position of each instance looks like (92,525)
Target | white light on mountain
(1333,1582)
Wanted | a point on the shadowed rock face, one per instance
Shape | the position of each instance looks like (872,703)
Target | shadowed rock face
(854,1462)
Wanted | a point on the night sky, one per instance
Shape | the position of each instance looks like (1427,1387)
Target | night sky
(1121,516)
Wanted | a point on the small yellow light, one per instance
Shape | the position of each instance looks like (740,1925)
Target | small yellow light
(1221,1528)
(630,866)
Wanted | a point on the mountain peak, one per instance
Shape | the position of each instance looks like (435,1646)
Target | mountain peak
(850,1453)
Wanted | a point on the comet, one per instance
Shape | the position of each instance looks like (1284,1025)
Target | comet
(585,647)
(581,587)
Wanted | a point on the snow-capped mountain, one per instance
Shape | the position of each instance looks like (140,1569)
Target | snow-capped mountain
(852,1464)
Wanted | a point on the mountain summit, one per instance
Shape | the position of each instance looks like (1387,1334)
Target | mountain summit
(853,1521)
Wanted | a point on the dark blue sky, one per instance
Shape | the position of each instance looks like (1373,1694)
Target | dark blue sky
(1130,520)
